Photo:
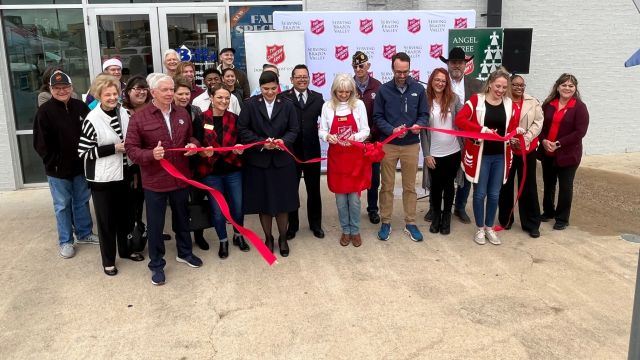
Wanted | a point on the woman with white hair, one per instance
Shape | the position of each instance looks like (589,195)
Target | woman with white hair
(344,119)
(170,60)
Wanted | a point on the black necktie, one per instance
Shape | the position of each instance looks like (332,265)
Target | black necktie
(301,100)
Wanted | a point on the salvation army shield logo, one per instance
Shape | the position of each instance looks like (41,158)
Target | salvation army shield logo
(342,52)
(366,26)
(469,67)
(460,23)
(415,74)
(413,25)
(275,54)
(435,50)
(317,26)
(318,79)
(388,51)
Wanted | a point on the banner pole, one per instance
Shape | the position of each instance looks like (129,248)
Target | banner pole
(634,340)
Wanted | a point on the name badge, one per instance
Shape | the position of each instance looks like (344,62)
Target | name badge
(342,118)
(208,127)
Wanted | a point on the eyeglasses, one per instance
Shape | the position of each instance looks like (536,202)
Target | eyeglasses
(139,90)
(301,78)
(359,66)
(60,88)
(518,86)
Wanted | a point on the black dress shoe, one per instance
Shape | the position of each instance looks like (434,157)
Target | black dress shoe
(111,272)
(291,234)
(374,218)
(319,233)
(462,216)
(238,240)
(269,242)
(534,233)
(428,217)
(283,246)
(202,243)
(223,252)
(559,226)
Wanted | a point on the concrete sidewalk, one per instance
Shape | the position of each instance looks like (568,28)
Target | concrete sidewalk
(566,295)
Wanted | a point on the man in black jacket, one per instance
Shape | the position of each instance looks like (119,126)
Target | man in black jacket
(308,104)
(56,133)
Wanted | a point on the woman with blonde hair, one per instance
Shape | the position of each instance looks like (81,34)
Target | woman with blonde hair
(486,163)
(344,119)
(105,164)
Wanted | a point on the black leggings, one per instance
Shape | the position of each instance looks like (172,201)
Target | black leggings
(442,178)
(563,176)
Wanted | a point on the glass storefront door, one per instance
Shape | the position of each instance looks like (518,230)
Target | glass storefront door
(139,36)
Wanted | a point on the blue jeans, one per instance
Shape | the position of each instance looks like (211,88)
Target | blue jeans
(372,192)
(230,185)
(71,205)
(349,212)
(488,186)
(462,194)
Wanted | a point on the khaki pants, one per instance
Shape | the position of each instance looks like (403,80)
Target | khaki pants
(408,156)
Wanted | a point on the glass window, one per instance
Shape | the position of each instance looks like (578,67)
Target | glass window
(195,38)
(35,40)
(128,38)
(149,1)
(30,162)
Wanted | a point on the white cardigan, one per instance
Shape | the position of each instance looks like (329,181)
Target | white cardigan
(359,113)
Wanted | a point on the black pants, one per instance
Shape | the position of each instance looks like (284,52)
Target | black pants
(314,202)
(442,179)
(156,209)
(563,176)
(136,194)
(528,204)
(110,201)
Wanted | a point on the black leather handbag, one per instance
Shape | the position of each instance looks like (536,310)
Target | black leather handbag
(200,216)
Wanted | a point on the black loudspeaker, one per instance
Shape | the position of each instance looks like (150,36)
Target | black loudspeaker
(494,13)
(516,50)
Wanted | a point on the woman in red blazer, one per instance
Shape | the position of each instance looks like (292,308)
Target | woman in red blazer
(566,120)
(486,163)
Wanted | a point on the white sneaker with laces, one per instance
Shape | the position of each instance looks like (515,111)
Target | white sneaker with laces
(492,236)
(479,238)
(67,251)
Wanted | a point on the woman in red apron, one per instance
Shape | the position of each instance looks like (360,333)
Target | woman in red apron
(344,119)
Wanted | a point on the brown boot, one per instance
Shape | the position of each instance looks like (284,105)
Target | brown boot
(356,240)
(345,239)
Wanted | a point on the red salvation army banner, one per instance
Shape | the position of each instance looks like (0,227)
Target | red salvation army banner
(331,38)
(282,48)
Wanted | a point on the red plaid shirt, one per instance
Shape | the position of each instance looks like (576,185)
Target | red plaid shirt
(210,138)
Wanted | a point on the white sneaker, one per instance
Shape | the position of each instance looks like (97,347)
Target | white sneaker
(492,236)
(67,251)
(479,238)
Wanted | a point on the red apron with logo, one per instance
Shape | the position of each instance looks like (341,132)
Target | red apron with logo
(347,170)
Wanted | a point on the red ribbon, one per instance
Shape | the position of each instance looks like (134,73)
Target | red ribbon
(253,238)
(372,151)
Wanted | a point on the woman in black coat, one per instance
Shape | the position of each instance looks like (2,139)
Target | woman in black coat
(566,120)
(270,181)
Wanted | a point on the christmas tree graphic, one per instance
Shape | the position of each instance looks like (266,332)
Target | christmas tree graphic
(493,57)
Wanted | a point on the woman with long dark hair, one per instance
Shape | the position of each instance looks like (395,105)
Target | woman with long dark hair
(441,151)
(566,120)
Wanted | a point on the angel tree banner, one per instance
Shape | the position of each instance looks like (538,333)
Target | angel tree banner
(331,38)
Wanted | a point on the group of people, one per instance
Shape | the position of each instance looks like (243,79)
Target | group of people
(109,149)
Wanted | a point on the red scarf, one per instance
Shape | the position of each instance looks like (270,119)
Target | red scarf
(229,138)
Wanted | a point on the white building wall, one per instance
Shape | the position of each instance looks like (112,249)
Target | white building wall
(7,175)
(589,38)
